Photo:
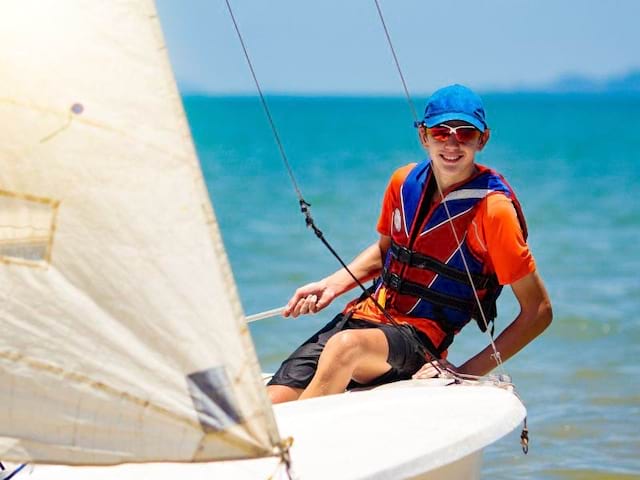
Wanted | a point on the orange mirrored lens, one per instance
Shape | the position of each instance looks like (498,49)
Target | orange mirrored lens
(463,134)
(467,135)
(441,134)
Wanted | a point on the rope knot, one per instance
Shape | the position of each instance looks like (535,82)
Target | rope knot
(306,211)
(283,450)
(524,438)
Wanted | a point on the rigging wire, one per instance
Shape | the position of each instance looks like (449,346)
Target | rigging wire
(305,206)
(496,353)
(395,59)
(503,379)
(264,104)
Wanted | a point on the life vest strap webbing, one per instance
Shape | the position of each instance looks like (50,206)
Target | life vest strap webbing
(405,287)
(425,262)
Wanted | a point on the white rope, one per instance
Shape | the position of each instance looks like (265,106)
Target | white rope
(274,312)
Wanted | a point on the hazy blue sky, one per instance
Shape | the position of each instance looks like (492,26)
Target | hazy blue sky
(338,46)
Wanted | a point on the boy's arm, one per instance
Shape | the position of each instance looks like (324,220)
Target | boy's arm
(315,296)
(534,317)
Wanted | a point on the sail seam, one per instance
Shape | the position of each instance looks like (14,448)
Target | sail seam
(95,384)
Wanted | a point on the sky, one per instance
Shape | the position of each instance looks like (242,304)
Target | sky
(339,46)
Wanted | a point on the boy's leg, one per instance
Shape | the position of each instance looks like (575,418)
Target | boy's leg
(360,355)
(296,372)
(283,393)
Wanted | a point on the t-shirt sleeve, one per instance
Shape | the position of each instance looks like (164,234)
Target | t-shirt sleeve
(506,247)
(391,199)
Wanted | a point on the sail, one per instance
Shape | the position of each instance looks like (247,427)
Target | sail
(122,337)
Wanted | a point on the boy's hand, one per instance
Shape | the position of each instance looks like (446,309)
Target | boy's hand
(435,368)
(310,298)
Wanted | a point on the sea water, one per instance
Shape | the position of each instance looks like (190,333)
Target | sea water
(574,162)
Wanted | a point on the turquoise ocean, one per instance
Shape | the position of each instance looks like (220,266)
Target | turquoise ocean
(574,161)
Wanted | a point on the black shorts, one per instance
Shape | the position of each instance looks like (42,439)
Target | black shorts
(405,355)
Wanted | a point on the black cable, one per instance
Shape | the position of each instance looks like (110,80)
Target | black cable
(16,471)
(305,206)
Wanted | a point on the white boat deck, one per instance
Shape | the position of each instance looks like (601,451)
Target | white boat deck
(404,430)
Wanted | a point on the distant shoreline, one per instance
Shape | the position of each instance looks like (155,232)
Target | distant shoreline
(627,84)
(311,96)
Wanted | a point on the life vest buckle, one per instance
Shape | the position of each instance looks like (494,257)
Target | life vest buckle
(394,281)
(403,254)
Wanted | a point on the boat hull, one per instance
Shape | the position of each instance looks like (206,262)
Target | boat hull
(413,429)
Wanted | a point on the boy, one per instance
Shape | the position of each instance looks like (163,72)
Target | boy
(451,235)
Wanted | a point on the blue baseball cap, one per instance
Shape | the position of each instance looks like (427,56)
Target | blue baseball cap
(455,102)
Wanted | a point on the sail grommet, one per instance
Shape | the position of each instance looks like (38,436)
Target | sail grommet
(77,108)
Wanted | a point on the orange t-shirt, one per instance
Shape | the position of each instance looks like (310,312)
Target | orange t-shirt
(494,236)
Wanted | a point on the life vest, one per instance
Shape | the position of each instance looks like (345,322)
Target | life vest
(424,272)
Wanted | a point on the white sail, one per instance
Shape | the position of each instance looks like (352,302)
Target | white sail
(122,337)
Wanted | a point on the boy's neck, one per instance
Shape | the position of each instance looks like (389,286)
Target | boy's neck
(447,181)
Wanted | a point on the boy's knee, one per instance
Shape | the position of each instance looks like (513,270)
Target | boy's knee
(282,393)
(344,346)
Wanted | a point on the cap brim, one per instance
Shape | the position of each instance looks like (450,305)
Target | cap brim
(446,117)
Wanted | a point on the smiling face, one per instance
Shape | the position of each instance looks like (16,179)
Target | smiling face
(453,160)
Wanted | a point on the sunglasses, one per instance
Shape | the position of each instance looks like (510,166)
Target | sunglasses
(463,133)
